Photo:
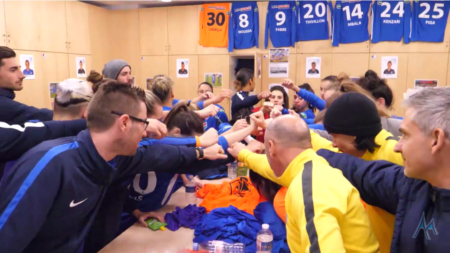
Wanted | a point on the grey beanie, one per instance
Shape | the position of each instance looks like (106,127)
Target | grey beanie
(112,69)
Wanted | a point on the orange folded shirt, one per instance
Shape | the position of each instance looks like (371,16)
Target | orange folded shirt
(238,192)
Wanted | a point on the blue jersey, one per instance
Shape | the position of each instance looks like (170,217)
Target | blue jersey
(391,20)
(243,31)
(214,122)
(350,21)
(312,20)
(280,23)
(429,19)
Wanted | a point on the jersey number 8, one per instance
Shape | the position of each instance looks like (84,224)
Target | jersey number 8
(357,12)
(398,9)
(437,8)
(219,19)
(243,20)
(320,10)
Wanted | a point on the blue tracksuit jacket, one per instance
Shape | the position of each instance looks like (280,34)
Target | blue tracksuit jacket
(13,112)
(52,195)
(312,98)
(422,212)
(241,100)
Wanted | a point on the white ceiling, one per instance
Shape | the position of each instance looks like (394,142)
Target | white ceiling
(118,5)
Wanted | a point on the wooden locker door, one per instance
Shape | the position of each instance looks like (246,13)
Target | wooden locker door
(325,69)
(266,80)
(22,19)
(397,85)
(152,66)
(432,47)
(53,29)
(74,65)
(33,92)
(183,28)
(354,65)
(153,31)
(77,17)
(427,66)
(55,69)
(258,70)
(215,64)
(124,31)
(3,40)
(184,88)
(98,25)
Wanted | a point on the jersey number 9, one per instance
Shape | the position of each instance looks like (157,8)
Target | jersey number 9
(219,19)
(280,17)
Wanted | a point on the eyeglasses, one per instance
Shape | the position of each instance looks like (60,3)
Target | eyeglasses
(132,118)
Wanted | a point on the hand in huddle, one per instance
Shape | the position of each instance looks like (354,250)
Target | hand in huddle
(288,83)
(256,147)
(142,217)
(209,111)
(267,107)
(225,93)
(209,138)
(264,95)
(293,113)
(236,148)
(214,152)
(275,113)
(258,118)
(198,185)
(156,129)
(239,124)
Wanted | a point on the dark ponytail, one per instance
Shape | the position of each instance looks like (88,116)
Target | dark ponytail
(183,116)
(243,77)
(96,79)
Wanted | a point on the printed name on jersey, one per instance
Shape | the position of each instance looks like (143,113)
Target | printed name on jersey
(284,6)
(219,8)
(243,9)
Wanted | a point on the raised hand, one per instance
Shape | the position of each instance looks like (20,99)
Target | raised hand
(156,129)
(288,83)
(209,111)
(214,152)
(235,149)
(264,95)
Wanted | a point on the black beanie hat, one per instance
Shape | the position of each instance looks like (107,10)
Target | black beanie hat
(352,114)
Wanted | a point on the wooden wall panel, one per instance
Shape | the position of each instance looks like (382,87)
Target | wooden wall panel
(398,85)
(389,46)
(152,66)
(3,41)
(55,69)
(427,66)
(354,65)
(215,64)
(185,88)
(153,31)
(53,26)
(183,29)
(326,67)
(124,37)
(20,18)
(415,47)
(98,26)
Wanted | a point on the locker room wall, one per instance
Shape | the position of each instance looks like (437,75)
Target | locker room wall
(152,39)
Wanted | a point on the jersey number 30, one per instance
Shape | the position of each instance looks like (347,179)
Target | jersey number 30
(213,19)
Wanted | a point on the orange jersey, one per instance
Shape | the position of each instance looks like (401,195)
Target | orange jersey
(214,21)
(238,192)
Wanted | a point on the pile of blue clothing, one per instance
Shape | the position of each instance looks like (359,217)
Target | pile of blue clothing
(186,217)
(233,225)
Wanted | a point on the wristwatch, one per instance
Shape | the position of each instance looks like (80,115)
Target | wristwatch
(200,153)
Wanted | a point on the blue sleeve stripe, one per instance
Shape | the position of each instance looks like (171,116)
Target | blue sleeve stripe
(41,164)
(169,141)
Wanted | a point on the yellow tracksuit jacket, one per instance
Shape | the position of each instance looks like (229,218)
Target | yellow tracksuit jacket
(323,209)
(382,222)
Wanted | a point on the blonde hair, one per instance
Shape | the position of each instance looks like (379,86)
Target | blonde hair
(151,101)
(162,87)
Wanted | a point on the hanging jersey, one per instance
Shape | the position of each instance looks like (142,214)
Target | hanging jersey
(312,20)
(243,30)
(214,25)
(351,19)
(429,20)
(391,20)
(280,24)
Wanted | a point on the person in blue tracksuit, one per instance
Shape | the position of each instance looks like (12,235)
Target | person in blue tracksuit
(418,194)
(221,117)
(302,107)
(76,172)
(11,77)
(242,100)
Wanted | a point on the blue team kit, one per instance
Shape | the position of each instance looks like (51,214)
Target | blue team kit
(288,22)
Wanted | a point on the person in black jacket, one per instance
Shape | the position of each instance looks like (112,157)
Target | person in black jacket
(11,79)
(65,180)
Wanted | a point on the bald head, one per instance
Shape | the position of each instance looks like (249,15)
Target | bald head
(289,131)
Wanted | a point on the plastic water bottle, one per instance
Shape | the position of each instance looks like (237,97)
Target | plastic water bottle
(264,240)
(232,170)
(219,246)
(191,199)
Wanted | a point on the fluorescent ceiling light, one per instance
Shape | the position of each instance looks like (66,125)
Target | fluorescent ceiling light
(166,1)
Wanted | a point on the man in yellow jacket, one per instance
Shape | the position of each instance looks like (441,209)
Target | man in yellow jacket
(324,211)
